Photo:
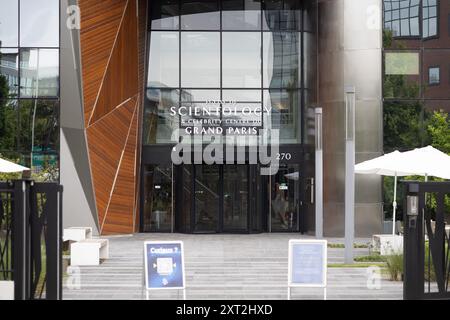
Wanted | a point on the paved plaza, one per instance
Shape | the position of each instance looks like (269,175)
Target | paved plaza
(224,267)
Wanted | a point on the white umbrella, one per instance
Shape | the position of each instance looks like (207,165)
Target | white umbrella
(427,161)
(10,167)
(390,164)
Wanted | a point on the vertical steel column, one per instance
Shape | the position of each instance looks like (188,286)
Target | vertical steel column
(349,172)
(319,174)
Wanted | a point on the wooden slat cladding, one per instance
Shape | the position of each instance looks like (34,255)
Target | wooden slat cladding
(121,77)
(112,52)
(118,218)
(100,22)
(107,139)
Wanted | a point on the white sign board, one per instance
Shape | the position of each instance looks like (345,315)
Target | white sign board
(307,263)
(6,290)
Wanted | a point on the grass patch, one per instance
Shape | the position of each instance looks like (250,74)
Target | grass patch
(342,246)
(371,258)
(356,265)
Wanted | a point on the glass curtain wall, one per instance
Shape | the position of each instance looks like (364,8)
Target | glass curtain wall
(247,51)
(29,85)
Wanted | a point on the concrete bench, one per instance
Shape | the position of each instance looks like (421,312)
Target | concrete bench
(89,252)
(387,244)
(77,233)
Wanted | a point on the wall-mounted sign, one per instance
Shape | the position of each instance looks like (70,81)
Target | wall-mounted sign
(164,265)
(307,263)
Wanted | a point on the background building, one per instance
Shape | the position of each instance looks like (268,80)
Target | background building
(416,44)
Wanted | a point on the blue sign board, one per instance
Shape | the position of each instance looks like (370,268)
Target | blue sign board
(307,263)
(164,265)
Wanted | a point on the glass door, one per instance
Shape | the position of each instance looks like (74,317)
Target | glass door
(285,199)
(207,198)
(235,197)
(157,206)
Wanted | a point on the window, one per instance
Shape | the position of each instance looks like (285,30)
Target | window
(429,18)
(29,83)
(200,59)
(241,63)
(39,70)
(200,15)
(448,25)
(9,18)
(164,14)
(39,23)
(241,15)
(402,17)
(163,66)
(224,55)
(433,76)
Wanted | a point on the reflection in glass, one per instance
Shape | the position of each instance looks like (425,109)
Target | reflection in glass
(165,14)
(9,73)
(206,198)
(186,205)
(241,15)
(281,56)
(200,113)
(242,95)
(39,118)
(242,115)
(429,18)
(285,109)
(39,23)
(164,59)
(285,200)
(9,23)
(200,15)
(39,73)
(402,17)
(235,197)
(281,15)
(241,64)
(159,123)
(200,61)
(157,198)
(401,75)
(8,125)
(188,95)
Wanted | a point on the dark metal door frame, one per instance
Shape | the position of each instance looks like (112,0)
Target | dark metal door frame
(417,219)
(35,211)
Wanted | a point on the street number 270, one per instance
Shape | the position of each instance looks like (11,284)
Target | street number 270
(284,156)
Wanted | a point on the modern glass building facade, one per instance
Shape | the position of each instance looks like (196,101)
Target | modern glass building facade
(120,76)
(29,84)
(246,55)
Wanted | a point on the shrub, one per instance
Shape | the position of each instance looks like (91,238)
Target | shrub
(394,264)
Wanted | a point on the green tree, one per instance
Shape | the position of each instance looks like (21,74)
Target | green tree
(439,131)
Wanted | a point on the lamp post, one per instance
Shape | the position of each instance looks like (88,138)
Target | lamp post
(349,172)
(319,173)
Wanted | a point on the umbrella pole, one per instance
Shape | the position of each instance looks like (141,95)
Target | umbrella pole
(394,204)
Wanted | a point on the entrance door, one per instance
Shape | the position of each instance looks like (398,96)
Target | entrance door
(221,198)
(157,204)
(207,198)
(235,197)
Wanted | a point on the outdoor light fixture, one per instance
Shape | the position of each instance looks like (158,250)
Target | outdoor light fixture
(350,101)
(319,173)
